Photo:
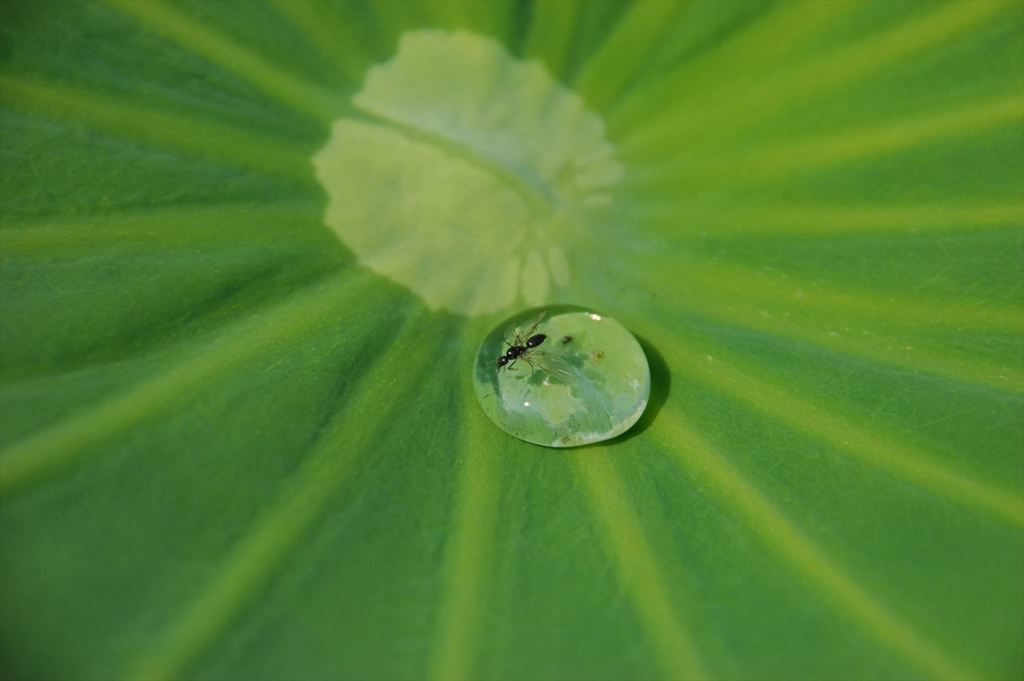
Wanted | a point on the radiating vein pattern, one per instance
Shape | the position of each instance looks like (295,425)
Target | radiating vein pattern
(728,61)
(850,599)
(813,79)
(253,561)
(174,24)
(721,220)
(168,229)
(625,51)
(126,120)
(878,346)
(552,22)
(781,161)
(469,555)
(857,441)
(48,452)
(791,294)
(328,32)
(247,248)
(638,567)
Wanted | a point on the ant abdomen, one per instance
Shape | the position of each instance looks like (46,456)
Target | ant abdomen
(519,348)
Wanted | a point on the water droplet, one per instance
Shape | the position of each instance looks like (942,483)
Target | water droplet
(560,393)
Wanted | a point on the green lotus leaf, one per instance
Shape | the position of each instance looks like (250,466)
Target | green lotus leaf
(248,252)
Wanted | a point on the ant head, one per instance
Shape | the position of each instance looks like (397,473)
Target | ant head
(502,361)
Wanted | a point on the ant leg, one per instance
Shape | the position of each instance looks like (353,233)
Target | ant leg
(534,366)
(543,361)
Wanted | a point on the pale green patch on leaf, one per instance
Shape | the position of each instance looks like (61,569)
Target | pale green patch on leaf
(473,176)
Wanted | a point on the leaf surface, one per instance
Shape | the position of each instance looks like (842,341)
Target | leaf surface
(239,443)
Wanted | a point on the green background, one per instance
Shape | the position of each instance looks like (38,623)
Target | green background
(231,452)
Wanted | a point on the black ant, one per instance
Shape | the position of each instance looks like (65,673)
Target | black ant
(519,347)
